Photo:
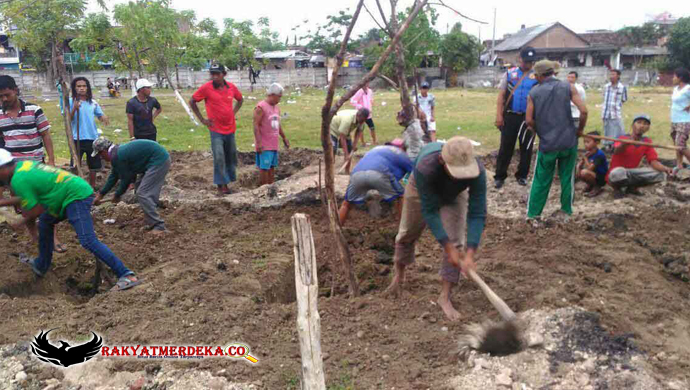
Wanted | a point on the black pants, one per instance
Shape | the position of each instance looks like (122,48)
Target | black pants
(514,129)
(150,136)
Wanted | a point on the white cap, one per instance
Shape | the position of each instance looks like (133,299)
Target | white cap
(275,89)
(5,157)
(143,83)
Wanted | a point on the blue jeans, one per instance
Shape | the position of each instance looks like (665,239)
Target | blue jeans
(224,151)
(79,215)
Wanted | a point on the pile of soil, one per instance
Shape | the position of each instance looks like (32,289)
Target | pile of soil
(225,273)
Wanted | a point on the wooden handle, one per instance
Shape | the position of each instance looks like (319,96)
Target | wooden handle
(631,142)
(345,165)
(496,301)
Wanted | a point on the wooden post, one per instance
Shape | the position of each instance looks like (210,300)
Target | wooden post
(308,319)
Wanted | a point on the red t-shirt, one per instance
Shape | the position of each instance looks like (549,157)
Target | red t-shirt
(632,156)
(219,107)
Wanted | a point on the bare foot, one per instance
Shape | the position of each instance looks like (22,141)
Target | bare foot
(157,233)
(396,286)
(448,309)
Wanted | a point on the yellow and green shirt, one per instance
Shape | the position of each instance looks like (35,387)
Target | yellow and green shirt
(35,183)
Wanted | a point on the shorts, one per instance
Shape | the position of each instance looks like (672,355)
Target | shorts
(267,159)
(150,136)
(680,133)
(431,126)
(364,181)
(86,147)
(601,179)
(370,123)
(336,144)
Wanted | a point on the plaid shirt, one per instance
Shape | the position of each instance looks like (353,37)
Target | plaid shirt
(614,97)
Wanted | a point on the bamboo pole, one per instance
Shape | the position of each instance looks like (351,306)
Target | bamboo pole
(632,142)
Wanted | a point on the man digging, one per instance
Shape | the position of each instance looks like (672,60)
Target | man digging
(129,160)
(52,195)
(447,191)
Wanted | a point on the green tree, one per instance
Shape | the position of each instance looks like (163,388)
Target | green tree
(679,43)
(328,37)
(460,51)
(645,35)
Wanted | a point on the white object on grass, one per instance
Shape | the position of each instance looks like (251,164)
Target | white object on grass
(192,130)
(292,101)
(383,103)
(117,131)
(109,222)
(99,131)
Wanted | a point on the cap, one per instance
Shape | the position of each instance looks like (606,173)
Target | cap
(458,154)
(545,66)
(5,157)
(643,116)
(217,68)
(143,83)
(528,53)
(100,145)
(425,85)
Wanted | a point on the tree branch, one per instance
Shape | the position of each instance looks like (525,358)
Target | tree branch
(383,16)
(442,4)
(389,81)
(375,21)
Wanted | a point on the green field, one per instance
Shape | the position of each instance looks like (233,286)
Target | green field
(459,112)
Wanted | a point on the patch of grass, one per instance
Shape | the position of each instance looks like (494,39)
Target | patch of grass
(344,382)
(292,381)
(459,112)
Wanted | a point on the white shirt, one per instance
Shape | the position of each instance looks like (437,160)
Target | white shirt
(583,95)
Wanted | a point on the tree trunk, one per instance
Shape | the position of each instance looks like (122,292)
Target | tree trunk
(400,66)
(136,56)
(177,77)
(59,67)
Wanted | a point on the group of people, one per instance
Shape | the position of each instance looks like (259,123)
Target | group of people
(533,103)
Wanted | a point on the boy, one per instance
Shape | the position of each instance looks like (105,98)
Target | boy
(593,167)
(427,102)
(267,128)
(84,108)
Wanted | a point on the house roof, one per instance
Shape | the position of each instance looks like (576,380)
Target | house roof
(523,37)
(605,38)
(291,54)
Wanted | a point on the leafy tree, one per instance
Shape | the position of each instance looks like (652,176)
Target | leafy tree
(328,37)
(679,43)
(645,35)
(460,51)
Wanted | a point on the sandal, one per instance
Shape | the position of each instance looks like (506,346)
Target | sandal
(60,248)
(25,259)
(125,283)
(596,191)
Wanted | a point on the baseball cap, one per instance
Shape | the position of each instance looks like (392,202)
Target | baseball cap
(217,68)
(100,145)
(545,66)
(458,154)
(425,85)
(5,157)
(143,83)
(528,53)
(643,116)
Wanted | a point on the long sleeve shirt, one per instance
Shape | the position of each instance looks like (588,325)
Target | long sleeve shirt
(436,189)
(363,99)
(130,160)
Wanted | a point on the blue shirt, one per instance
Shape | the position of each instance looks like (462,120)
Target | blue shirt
(387,159)
(519,99)
(680,101)
(88,112)
(601,165)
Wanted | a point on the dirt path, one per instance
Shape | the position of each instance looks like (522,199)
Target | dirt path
(226,274)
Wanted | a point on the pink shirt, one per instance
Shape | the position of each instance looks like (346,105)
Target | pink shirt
(363,99)
(269,126)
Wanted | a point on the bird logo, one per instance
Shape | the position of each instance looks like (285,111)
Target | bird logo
(66,355)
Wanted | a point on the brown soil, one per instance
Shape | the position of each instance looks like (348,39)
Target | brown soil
(224,275)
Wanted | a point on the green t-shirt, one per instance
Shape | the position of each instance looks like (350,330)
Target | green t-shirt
(35,183)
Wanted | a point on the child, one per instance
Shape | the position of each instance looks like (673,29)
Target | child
(593,167)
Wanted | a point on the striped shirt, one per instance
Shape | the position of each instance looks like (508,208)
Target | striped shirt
(614,97)
(23,134)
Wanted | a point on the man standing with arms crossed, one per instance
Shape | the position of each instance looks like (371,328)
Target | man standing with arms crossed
(142,111)
(510,118)
(218,95)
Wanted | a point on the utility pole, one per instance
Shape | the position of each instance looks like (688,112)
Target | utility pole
(493,40)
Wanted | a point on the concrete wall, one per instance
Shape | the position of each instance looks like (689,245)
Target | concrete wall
(590,76)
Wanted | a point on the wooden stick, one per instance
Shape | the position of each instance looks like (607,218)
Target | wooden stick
(308,318)
(631,142)
(347,162)
(506,313)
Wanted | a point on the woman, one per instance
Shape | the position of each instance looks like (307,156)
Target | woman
(680,115)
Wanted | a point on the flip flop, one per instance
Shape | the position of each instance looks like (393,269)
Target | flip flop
(125,284)
(60,248)
(25,259)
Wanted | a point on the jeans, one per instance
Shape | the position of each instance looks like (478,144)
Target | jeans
(636,177)
(79,215)
(224,150)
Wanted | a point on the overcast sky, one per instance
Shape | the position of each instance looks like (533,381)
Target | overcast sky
(580,15)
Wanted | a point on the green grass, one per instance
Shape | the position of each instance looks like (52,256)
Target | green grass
(459,112)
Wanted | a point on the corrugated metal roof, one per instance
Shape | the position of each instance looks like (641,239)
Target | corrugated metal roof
(283,54)
(522,37)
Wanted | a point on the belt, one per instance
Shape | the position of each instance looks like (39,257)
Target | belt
(515,113)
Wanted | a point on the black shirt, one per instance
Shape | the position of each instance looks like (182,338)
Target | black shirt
(143,115)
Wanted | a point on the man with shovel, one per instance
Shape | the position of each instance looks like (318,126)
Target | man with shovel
(137,157)
(447,191)
(52,195)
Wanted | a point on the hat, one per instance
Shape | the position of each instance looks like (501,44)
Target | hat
(643,116)
(5,157)
(544,66)
(100,145)
(217,68)
(425,85)
(528,53)
(143,83)
(458,154)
